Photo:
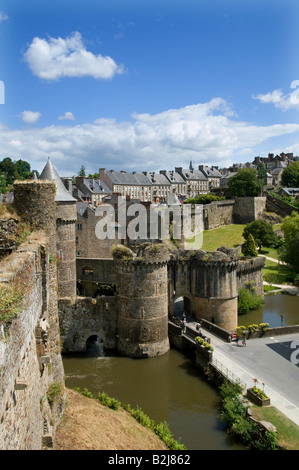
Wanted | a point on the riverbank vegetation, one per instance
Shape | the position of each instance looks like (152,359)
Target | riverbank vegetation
(248,300)
(89,425)
(161,429)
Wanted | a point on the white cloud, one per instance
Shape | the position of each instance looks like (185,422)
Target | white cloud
(3,16)
(58,57)
(281,101)
(67,115)
(204,133)
(30,117)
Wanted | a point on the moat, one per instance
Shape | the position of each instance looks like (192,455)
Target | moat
(278,310)
(170,387)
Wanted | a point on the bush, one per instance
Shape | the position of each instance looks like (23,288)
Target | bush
(111,403)
(11,301)
(248,301)
(204,199)
(235,416)
(249,248)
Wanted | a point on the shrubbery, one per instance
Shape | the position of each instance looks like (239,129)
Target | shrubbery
(235,415)
(248,301)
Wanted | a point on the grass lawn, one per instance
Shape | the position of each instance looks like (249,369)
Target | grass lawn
(228,235)
(279,273)
(288,432)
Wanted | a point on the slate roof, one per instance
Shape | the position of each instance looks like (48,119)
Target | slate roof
(119,177)
(174,177)
(95,186)
(50,173)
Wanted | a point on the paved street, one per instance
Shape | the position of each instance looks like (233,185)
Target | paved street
(268,360)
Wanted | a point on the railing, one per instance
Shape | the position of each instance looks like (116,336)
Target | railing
(226,372)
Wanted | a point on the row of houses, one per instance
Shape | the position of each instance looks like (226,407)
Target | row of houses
(156,187)
(145,186)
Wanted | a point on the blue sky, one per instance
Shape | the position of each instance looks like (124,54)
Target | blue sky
(146,84)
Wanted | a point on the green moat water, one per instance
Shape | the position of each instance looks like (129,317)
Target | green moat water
(169,388)
(275,307)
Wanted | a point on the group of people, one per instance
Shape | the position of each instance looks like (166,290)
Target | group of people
(200,333)
(236,337)
(197,327)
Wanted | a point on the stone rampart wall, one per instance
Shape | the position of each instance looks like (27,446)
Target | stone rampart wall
(30,360)
(249,271)
(218,213)
(87,317)
(248,209)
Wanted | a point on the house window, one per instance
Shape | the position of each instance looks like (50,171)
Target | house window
(79,226)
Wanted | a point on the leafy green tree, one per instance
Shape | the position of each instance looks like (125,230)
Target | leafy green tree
(82,171)
(262,233)
(249,248)
(244,183)
(290,176)
(261,176)
(289,251)
(11,171)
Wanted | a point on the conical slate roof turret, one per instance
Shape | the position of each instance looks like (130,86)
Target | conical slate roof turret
(50,173)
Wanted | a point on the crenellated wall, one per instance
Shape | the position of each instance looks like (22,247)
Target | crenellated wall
(142,302)
(249,271)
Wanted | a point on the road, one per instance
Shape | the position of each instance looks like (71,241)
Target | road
(274,361)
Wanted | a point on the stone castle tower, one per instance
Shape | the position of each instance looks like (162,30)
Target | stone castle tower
(142,300)
(66,216)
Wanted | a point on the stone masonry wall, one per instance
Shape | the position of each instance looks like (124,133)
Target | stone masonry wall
(30,360)
(249,271)
(87,317)
(218,213)
(248,209)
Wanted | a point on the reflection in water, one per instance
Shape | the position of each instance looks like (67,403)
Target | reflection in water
(167,388)
(278,310)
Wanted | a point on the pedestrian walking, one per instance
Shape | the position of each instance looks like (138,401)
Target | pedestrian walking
(244,339)
(237,339)
(197,327)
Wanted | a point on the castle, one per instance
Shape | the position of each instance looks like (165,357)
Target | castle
(134,320)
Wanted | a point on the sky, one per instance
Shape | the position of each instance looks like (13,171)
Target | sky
(147,85)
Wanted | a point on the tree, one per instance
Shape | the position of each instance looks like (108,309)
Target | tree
(261,176)
(289,251)
(249,248)
(11,171)
(82,171)
(244,183)
(262,233)
(290,176)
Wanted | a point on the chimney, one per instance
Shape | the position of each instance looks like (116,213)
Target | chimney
(102,173)
(163,172)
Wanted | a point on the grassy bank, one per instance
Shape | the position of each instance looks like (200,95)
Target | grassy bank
(88,425)
(228,235)
(288,432)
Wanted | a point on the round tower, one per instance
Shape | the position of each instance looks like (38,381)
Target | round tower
(34,201)
(66,216)
(215,292)
(142,297)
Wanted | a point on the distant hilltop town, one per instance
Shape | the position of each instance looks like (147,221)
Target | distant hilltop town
(149,186)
